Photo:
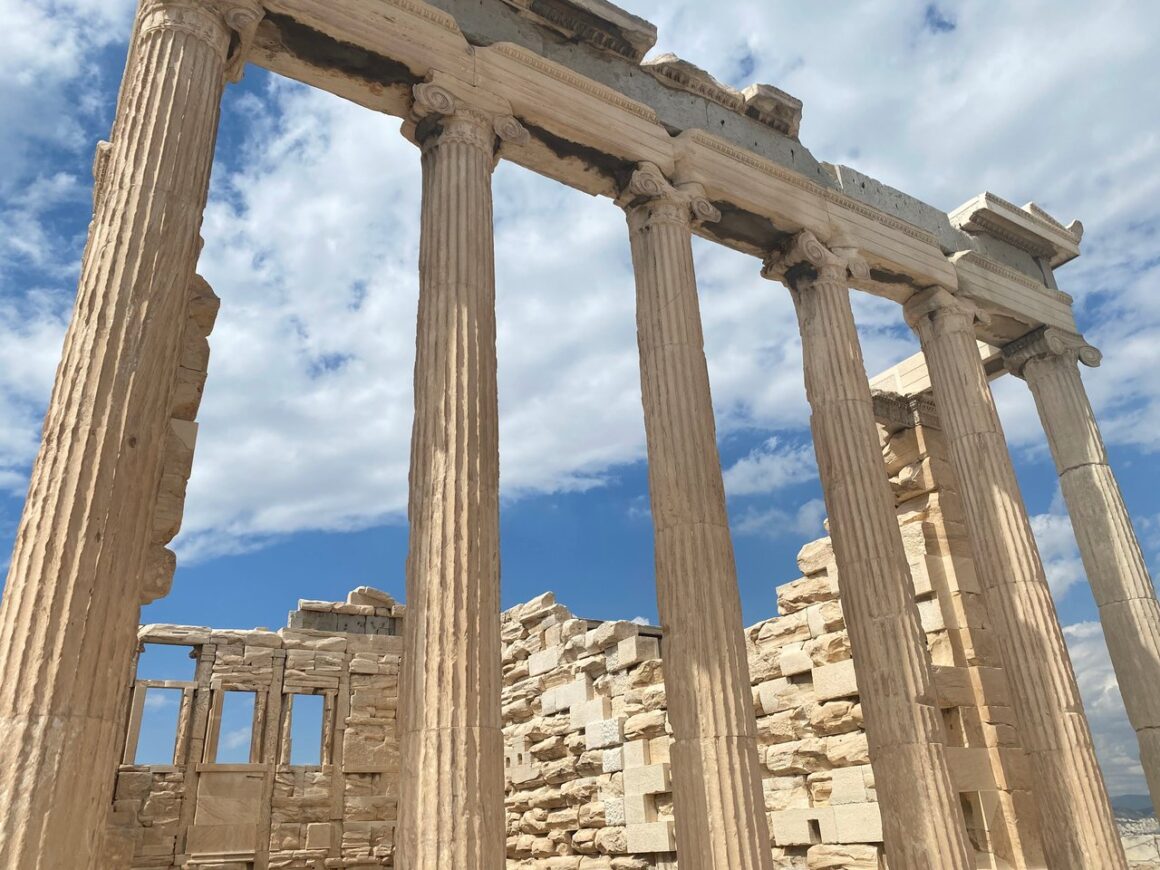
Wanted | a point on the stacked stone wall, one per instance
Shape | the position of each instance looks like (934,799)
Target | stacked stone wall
(197,813)
(587,738)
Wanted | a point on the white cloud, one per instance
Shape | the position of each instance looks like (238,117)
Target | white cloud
(770,467)
(236,738)
(806,522)
(1060,553)
(159,700)
(1116,744)
(311,241)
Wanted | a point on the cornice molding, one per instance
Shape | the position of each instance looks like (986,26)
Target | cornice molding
(974,258)
(423,10)
(563,74)
(1029,229)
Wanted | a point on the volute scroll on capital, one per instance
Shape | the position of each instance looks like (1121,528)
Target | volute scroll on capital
(1048,342)
(649,188)
(442,116)
(229,25)
(806,259)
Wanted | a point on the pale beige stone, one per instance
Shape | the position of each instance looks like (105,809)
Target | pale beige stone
(1113,561)
(451,742)
(717,795)
(1075,816)
(873,574)
(100,491)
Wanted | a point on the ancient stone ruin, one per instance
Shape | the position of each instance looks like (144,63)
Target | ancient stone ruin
(914,700)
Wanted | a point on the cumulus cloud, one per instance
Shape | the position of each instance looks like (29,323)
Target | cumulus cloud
(311,241)
(1116,744)
(1060,553)
(806,522)
(159,700)
(770,467)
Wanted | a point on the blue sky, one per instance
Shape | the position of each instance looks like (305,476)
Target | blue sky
(299,486)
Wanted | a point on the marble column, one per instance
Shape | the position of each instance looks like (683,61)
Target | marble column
(717,796)
(903,721)
(451,808)
(68,622)
(1048,359)
(1075,816)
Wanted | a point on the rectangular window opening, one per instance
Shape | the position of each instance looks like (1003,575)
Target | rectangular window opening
(815,829)
(165,661)
(975,822)
(306,712)
(237,728)
(157,739)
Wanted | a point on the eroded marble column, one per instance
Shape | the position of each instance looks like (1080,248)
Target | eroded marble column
(451,808)
(1076,819)
(1048,360)
(903,722)
(69,617)
(717,796)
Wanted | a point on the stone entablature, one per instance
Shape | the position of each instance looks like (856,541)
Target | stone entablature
(593,113)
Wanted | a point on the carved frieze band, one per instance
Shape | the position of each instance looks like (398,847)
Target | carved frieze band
(685,203)
(1048,341)
(895,411)
(463,123)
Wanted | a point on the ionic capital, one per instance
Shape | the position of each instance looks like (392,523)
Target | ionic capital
(214,22)
(648,190)
(443,117)
(805,261)
(1047,342)
(938,304)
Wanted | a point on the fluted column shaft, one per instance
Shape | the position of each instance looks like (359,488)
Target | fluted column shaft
(451,811)
(1112,558)
(717,796)
(69,617)
(1076,819)
(923,827)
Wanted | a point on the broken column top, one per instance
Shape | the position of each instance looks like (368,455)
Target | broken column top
(1029,228)
(595,22)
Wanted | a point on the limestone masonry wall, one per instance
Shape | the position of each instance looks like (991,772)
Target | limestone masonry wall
(587,745)
(587,739)
(197,813)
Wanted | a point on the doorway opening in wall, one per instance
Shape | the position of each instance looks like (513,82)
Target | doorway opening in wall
(235,737)
(306,729)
